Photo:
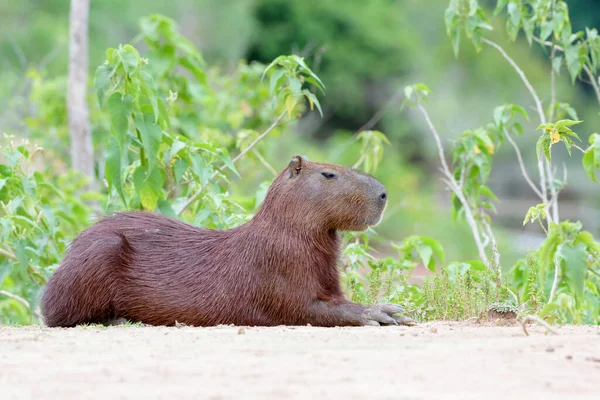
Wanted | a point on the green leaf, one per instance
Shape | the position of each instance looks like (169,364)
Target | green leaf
(290,103)
(455,37)
(113,168)
(179,168)
(557,63)
(572,57)
(425,253)
(436,246)
(195,68)
(484,190)
(589,164)
(313,100)
(275,78)
(148,186)
(574,262)
(119,109)
(296,86)
(150,89)
(499,6)
(151,134)
(566,122)
(102,81)
(130,58)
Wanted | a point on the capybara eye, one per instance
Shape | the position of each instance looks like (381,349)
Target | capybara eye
(328,175)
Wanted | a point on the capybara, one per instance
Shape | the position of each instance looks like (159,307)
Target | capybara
(279,268)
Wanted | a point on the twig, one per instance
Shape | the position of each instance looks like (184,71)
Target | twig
(15,297)
(538,103)
(522,165)
(453,185)
(22,301)
(552,83)
(494,244)
(243,153)
(587,69)
(549,172)
(556,278)
(264,162)
(538,320)
(8,254)
(370,123)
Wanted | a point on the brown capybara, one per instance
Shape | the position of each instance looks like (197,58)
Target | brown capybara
(280,268)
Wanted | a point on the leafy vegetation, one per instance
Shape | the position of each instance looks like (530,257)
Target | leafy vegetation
(171,133)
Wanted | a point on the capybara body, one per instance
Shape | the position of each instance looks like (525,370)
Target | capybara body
(280,268)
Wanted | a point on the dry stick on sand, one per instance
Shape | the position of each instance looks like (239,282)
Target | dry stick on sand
(243,153)
(538,320)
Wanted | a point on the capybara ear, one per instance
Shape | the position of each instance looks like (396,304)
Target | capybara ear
(295,166)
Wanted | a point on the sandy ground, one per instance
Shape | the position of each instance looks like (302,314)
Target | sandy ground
(429,361)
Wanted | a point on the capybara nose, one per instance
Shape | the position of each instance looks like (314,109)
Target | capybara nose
(383,197)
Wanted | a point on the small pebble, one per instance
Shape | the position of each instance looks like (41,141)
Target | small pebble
(569,357)
(241,331)
(433,330)
(550,349)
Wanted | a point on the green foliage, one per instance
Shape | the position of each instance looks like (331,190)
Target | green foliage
(166,125)
(591,158)
(554,133)
(460,291)
(39,215)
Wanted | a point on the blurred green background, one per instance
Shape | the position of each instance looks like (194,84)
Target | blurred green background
(365,52)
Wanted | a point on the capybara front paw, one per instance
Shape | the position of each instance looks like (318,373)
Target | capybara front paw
(385,314)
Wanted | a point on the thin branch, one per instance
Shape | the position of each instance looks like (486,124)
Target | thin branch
(370,123)
(586,68)
(522,165)
(549,171)
(381,112)
(15,297)
(264,162)
(255,142)
(453,185)
(438,142)
(538,102)
(556,278)
(8,254)
(243,153)
(578,148)
(22,301)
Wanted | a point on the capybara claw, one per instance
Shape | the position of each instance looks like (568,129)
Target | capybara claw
(386,314)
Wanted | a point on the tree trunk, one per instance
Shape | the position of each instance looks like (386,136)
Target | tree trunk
(82,151)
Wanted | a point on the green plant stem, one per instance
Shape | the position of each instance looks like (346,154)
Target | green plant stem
(197,195)
(455,187)
(556,278)
(493,245)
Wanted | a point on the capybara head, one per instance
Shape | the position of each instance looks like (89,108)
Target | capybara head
(318,195)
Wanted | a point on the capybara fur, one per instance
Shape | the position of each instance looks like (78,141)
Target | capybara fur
(279,268)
